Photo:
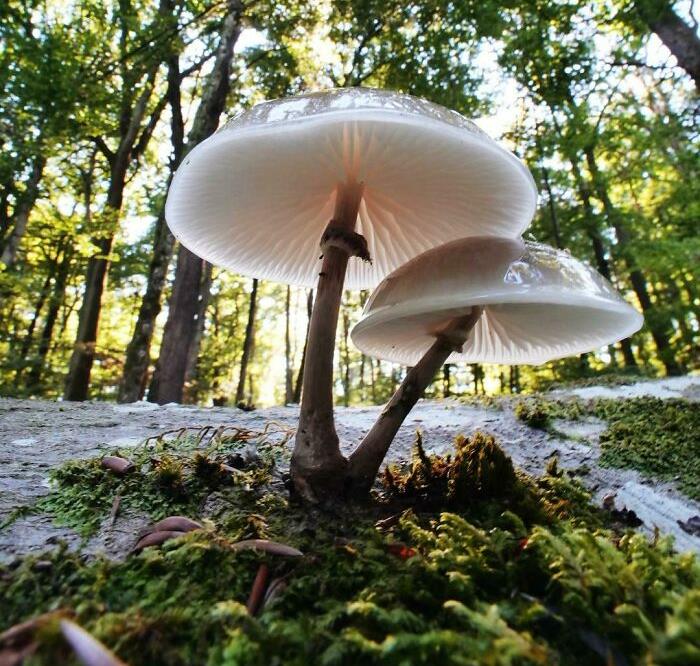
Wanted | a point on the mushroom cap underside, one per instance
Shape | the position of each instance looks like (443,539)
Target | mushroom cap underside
(257,196)
(538,303)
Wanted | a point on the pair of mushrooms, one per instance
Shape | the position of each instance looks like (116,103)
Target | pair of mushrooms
(418,199)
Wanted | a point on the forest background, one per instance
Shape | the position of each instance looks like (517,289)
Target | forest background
(101,99)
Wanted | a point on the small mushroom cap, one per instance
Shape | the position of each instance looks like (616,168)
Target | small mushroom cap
(271,547)
(539,304)
(257,195)
(88,649)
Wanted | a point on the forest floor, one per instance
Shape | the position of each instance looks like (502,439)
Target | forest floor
(38,436)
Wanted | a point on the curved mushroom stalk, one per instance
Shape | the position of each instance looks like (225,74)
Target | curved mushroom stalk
(532,304)
(317,466)
(366,460)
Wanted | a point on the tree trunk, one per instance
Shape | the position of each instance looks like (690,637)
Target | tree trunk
(361,382)
(132,385)
(678,37)
(598,247)
(288,388)
(29,335)
(180,328)
(133,382)
(248,343)
(658,326)
(446,380)
(365,461)
(168,380)
(300,374)
(21,214)
(191,380)
(57,296)
(346,359)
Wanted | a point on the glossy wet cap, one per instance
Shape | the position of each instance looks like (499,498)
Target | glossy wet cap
(539,304)
(256,196)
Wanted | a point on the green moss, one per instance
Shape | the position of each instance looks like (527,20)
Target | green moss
(171,477)
(496,568)
(496,593)
(660,438)
(539,412)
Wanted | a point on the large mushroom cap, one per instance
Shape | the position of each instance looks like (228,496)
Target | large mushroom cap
(257,195)
(539,304)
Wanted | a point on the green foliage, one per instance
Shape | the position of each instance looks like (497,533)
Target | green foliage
(618,171)
(462,587)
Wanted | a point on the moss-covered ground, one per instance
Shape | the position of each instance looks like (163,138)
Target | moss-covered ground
(457,560)
(660,438)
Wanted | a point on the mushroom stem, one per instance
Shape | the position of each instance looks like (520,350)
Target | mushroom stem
(365,461)
(258,590)
(317,466)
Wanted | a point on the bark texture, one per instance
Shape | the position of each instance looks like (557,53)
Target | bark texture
(181,326)
(679,38)
(138,358)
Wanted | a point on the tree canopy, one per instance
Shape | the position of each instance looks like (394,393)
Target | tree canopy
(100,100)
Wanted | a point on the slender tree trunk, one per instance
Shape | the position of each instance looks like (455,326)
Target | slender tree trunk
(300,374)
(598,246)
(191,380)
(180,328)
(167,384)
(22,212)
(132,385)
(556,233)
(680,38)
(514,379)
(362,383)
(57,296)
(248,343)
(288,388)
(446,380)
(346,359)
(29,335)
(659,326)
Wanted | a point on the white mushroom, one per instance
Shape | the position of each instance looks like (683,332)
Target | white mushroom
(257,196)
(490,300)
(373,174)
(539,304)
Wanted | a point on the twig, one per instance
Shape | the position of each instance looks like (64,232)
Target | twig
(115,510)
